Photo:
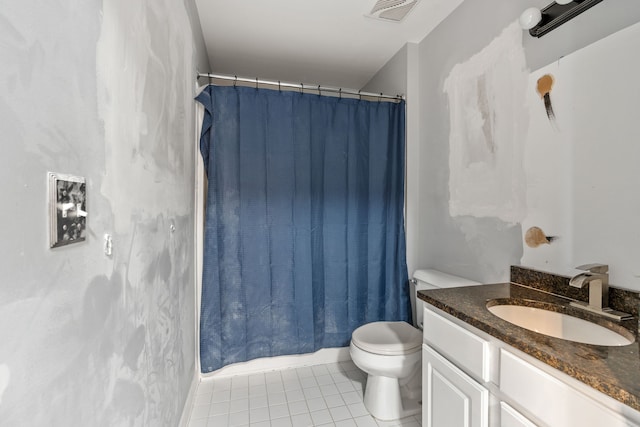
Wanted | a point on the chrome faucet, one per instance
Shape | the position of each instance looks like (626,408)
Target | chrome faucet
(597,277)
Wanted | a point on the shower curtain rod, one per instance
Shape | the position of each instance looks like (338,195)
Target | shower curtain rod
(302,86)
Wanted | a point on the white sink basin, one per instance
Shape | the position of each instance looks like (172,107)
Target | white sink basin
(560,325)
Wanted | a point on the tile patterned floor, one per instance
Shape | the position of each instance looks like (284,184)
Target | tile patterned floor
(322,395)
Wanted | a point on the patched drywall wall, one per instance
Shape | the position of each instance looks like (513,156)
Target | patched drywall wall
(480,242)
(103,91)
(487,113)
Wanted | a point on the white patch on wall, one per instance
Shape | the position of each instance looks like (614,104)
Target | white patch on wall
(143,97)
(583,176)
(487,120)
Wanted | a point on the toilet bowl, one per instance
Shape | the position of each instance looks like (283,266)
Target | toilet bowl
(391,354)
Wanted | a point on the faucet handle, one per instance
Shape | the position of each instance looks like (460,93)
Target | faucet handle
(594,268)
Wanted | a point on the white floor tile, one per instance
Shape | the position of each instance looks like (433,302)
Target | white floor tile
(275,387)
(302,420)
(218,421)
(312,393)
(366,421)
(307,382)
(278,411)
(288,375)
(282,422)
(259,414)
(300,407)
(340,413)
(346,423)
(222,384)
(304,372)
(334,401)
(321,417)
(320,370)
(324,379)
(351,397)
(256,379)
(345,387)
(239,393)
(321,395)
(258,402)
(316,404)
(205,387)
(329,389)
(239,418)
(292,384)
(202,399)
(200,411)
(240,381)
(258,390)
(273,377)
(358,410)
(221,396)
(294,395)
(239,405)
(219,408)
(277,398)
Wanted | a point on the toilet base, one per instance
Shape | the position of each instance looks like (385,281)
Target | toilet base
(386,399)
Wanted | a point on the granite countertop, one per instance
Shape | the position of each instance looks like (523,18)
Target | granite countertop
(615,371)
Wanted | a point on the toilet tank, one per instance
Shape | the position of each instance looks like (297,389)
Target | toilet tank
(432,279)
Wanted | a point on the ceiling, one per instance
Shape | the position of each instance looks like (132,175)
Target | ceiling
(328,42)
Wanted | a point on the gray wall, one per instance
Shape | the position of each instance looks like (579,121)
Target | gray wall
(103,91)
(469,246)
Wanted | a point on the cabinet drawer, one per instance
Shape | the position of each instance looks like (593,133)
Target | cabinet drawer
(467,350)
(554,402)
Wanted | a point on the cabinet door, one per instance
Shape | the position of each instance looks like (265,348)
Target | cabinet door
(509,417)
(450,397)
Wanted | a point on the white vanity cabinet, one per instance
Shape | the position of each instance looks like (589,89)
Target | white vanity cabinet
(451,397)
(471,379)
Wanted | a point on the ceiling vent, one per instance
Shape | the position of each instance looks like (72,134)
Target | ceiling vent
(392,10)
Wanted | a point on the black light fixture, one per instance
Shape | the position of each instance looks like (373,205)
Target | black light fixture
(540,22)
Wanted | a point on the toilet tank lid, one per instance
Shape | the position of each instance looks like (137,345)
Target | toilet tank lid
(442,280)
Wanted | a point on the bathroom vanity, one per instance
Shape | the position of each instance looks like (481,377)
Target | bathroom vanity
(480,370)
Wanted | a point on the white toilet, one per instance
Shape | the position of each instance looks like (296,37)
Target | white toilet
(391,354)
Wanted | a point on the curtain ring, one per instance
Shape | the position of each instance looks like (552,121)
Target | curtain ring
(319,91)
(301,88)
(340,93)
(380,97)
(256,83)
(210,79)
(235,81)
(360,94)
(279,88)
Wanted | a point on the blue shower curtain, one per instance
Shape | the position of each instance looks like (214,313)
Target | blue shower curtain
(304,235)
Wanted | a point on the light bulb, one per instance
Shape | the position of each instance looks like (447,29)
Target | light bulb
(563,1)
(530,18)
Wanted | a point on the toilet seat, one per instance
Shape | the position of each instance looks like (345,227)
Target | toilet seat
(387,338)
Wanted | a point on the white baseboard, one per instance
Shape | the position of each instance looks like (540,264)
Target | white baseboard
(320,357)
(188,404)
